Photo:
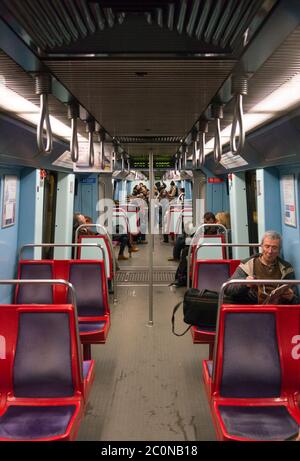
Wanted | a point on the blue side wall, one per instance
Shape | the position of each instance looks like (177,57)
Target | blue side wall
(27,208)
(217,194)
(272,199)
(86,196)
(8,241)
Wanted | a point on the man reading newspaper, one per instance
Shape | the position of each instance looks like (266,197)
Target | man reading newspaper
(269,266)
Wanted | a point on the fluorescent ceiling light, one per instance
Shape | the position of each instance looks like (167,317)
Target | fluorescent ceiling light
(15,104)
(250,121)
(285,97)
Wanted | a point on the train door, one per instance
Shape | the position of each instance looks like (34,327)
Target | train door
(50,186)
(251,194)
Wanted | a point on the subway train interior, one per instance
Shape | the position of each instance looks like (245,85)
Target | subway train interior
(123,123)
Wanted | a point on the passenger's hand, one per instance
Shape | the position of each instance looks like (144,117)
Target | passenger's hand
(250,277)
(288,295)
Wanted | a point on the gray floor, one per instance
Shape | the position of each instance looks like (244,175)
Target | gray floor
(148,381)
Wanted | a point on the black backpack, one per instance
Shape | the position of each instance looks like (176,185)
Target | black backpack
(200,308)
(181,272)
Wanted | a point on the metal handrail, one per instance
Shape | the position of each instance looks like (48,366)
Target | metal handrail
(240,88)
(238,121)
(74,303)
(101,134)
(74,141)
(217,142)
(61,245)
(201,158)
(91,150)
(197,234)
(42,89)
(99,226)
(243,282)
(226,245)
(44,118)
(73,114)
(194,157)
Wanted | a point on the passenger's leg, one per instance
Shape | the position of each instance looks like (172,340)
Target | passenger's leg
(131,248)
(178,247)
(123,239)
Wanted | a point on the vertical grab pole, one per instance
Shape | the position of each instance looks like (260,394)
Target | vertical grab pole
(151,242)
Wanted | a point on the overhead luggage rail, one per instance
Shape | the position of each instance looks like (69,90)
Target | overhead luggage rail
(222,245)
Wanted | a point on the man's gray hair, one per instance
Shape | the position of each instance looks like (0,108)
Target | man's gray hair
(273,235)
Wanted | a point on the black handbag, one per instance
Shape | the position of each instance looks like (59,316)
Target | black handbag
(200,308)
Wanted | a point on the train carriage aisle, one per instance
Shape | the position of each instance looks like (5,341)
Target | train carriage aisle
(148,382)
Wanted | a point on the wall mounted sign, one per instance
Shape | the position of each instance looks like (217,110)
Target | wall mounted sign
(9,200)
(289,202)
(215,180)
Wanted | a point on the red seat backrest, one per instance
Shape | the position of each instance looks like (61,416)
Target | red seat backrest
(60,269)
(215,272)
(23,343)
(94,239)
(274,355)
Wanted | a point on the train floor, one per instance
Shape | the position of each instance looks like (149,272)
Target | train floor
(148,384)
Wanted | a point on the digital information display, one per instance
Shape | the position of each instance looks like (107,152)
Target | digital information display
(158,163)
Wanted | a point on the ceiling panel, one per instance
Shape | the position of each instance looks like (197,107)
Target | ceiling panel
(140,98)
(283,64)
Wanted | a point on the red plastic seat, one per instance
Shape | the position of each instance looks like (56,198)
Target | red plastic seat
(201,253)
(97,255)
(254,384)
(41,399)
(210,275)
(89,280)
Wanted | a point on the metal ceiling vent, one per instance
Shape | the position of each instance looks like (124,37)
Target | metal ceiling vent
(149,139)
(59,23)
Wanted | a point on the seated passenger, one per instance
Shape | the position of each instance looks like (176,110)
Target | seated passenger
(265,265)
(124,241)
(180,241)
(209,218)
(78,220)
(223,217)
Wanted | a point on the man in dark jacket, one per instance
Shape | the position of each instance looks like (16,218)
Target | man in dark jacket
(265,265)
